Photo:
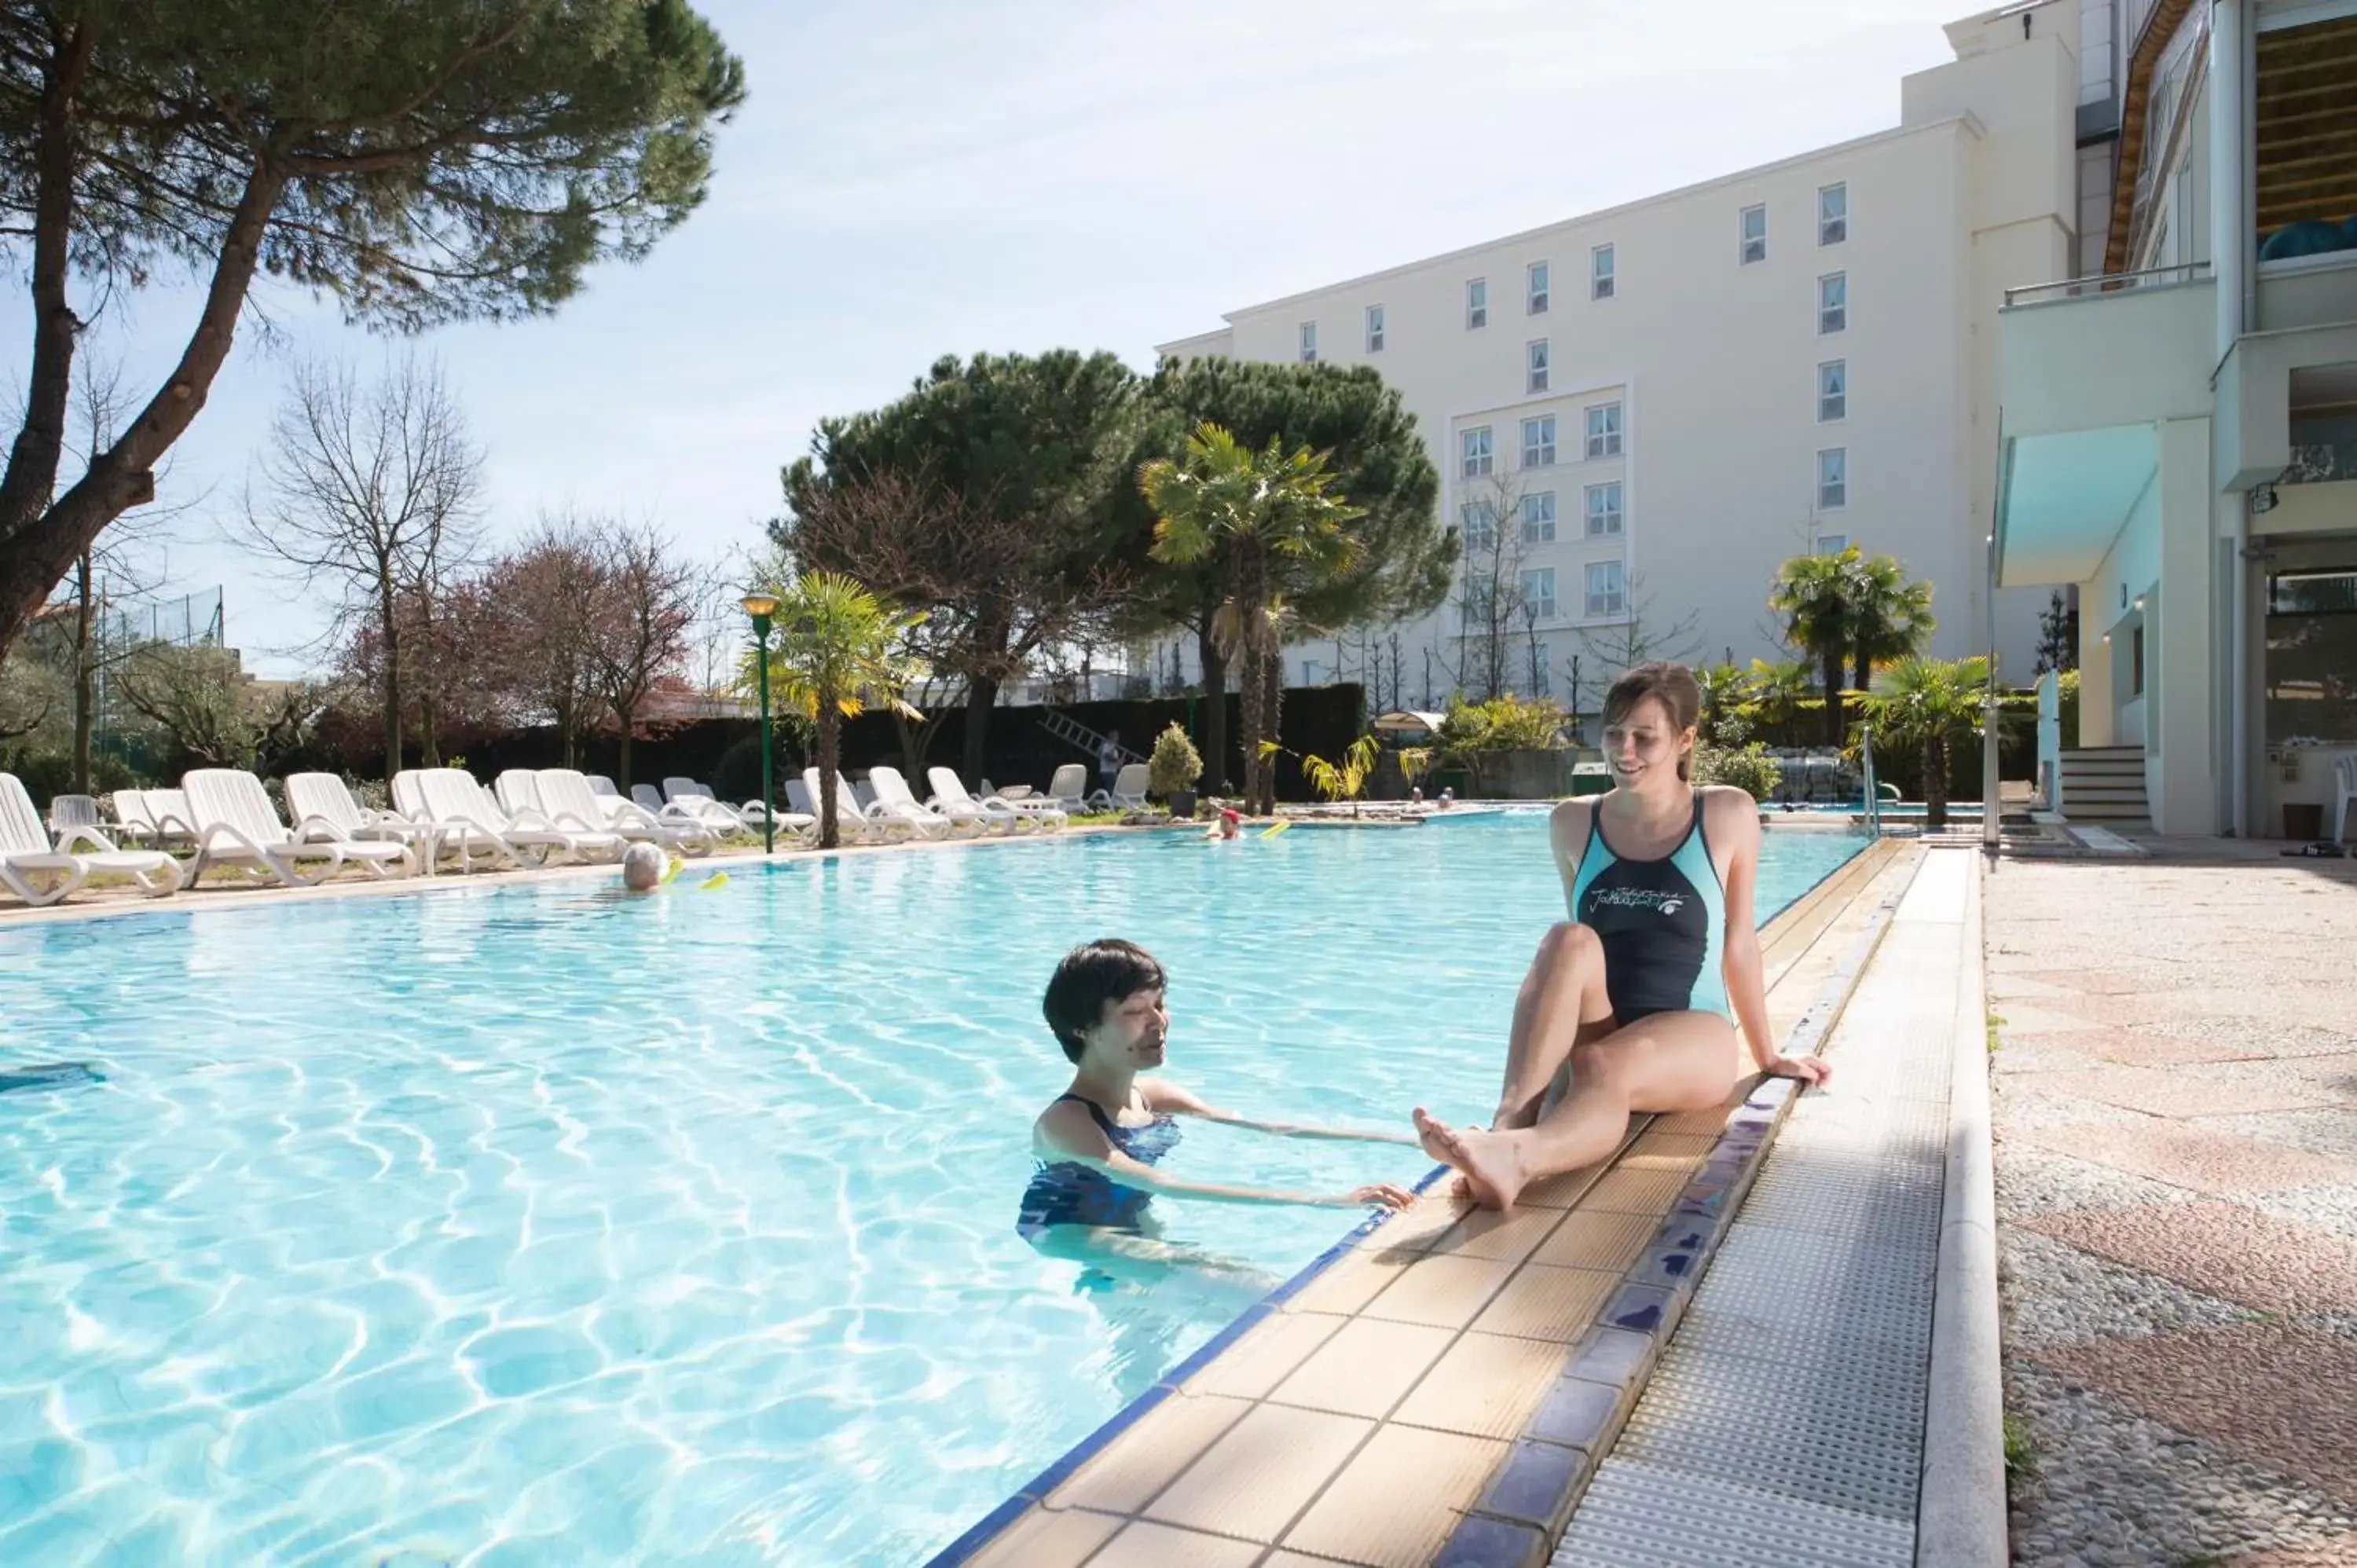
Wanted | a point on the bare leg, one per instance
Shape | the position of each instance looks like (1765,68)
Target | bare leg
(1671,1061)
(1563,1003)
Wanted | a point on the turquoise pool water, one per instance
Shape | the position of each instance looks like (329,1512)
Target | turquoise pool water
(537,1226)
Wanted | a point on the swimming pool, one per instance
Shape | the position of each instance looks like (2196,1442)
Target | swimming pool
(537,1226)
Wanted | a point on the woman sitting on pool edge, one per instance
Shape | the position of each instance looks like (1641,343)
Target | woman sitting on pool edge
(1625,1007)
(1099,1144)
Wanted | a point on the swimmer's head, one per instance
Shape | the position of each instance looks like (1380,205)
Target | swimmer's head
(1108,994)
(1231,824)
(643,868)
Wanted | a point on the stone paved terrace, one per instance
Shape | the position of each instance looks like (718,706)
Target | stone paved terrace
(2175,1075)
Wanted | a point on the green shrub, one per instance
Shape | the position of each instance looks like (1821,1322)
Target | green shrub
(1175,764)
(1748,768)
(1501,724)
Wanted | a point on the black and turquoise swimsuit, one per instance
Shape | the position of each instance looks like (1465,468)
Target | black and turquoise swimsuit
(1069,1193)
(1663,923)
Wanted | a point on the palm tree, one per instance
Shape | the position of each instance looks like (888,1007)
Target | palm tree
(1930,703)
(1774,693)
(1815,594)
(1890,616)
(837,650)
(1258,510)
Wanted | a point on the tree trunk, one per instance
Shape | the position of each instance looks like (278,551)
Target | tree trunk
(1832,661)
(981,696)
(84,696)
(392,693)
(429,733)
(830,744)
(1249,577)
(622,750)
(1272,705)
(1215,710)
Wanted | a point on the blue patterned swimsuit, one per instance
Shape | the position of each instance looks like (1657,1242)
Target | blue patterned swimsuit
(1069,1193)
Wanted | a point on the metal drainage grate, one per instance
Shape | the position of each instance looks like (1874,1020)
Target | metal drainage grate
(1636,1513)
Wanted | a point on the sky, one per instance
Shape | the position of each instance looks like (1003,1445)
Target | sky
(1013,177)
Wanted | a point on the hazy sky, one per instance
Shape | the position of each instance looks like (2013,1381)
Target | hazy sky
(1024,175)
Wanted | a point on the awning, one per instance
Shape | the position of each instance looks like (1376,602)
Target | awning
(1407,725)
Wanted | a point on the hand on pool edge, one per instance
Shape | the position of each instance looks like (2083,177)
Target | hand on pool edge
(1814,1071)
(1383,1195)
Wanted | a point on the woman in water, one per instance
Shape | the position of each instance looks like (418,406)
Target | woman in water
(1098,1145)
(1625,1007)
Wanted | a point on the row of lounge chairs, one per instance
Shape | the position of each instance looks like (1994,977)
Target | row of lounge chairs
(224,816)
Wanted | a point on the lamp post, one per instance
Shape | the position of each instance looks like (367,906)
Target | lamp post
(761,607)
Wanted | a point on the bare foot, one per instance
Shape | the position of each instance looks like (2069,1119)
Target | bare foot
(1485,1161)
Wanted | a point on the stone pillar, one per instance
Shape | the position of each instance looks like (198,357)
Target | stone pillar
(2182,775)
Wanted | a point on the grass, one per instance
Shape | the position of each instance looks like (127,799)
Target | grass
(2021,1450)
(1995,1022)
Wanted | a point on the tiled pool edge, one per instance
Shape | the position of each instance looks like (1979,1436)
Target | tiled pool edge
(1843,882)
(1522,1511)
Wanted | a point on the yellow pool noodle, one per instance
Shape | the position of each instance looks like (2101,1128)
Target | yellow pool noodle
(1271,833)
(718,879)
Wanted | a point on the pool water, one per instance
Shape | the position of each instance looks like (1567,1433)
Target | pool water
(541,1226)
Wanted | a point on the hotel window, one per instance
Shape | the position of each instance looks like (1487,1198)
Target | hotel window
(1473,448)
(1755,234)
(1538,593)
(1538,298)
(1535,359)
(1833,479)
(1832,303)
(1479,521)
(1604,430)
(1831,543)
(1538,518)
(1538,441)
(1309,342)
(1603,510)
(1375,329)
(1833,214)
(1607,588)
(1833,390)
(1599,273)
(1477,304)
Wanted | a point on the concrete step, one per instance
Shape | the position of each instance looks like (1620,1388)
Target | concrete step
(2104,770)
(2122,813)
(2134,751)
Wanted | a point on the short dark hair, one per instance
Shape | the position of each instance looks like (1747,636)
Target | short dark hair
(1092,975)
(1672,686)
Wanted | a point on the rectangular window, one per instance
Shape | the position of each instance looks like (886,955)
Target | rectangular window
(1538,518)
(1833,390)
(1538,441)
(1473,450)
(1479,595)
(1832,303)
(1309,342)
(1831,543)
(1833,479)
(1755,234)
(1375,329)
(1833,214)
(1603,510)
(1607,588)
(1477,304)
(1604,430)
(1479,521)
(1538,291)
(1538,593)
(2135,660)
(1535,364)
(1599,273)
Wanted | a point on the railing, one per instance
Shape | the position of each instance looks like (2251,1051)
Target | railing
(2109,283)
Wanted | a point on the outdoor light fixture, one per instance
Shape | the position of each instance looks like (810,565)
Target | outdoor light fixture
(2139,601)
(761,607)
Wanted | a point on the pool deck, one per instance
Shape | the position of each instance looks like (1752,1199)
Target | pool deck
(1442,1386)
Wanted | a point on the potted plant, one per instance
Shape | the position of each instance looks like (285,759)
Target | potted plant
(1172,770)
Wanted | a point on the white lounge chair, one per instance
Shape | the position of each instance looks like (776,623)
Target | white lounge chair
(799,797)
(134,819)
(456,802)
(175,822)
(568,800)
(325,798)
(699,797)
(852,819)
(951,798)
(2344,791)
(73,812)
(1128,792)
(237,825)
(27,854)
(895,799)
(1068,789)
(864,793)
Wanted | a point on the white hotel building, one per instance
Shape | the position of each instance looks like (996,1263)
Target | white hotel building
(1682,392)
